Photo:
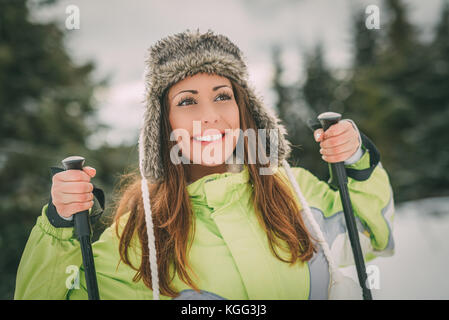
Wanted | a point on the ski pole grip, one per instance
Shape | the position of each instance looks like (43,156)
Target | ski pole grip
(82,228)
(328,118)
(73,163)
(80,219)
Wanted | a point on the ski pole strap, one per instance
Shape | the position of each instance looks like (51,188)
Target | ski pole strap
(374,159)
(58,222)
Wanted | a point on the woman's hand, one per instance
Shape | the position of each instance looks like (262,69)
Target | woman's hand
(339,142)
(71,191)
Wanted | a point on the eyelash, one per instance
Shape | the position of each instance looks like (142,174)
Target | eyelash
(228,97)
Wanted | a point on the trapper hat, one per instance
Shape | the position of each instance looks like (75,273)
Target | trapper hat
(172,59)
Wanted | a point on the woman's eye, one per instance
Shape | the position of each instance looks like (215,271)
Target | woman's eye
(184,100)
(225,95)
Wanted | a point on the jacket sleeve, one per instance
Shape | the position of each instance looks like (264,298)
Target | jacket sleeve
(372,202)
(49,262)
(51,266)
(114,277)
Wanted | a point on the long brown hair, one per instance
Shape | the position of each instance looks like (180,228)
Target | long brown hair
(276,209)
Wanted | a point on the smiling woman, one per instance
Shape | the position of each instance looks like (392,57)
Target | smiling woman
(193,99)
(223,230)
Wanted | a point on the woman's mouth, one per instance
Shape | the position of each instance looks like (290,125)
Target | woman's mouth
(207,139)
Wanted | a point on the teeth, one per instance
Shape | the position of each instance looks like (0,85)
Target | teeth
(209,138)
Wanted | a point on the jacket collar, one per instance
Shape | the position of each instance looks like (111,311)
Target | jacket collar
(217,189)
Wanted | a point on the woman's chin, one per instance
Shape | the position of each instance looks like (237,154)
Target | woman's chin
(210,162)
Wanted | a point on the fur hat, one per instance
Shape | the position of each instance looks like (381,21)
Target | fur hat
(170,60)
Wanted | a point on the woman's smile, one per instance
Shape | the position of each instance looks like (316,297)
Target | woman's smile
(208,139)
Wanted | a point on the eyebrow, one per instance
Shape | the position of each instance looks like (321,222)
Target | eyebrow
(196,92)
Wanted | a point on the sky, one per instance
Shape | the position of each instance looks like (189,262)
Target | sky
(116,34)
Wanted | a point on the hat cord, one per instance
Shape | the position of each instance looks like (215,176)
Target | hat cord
(149,224)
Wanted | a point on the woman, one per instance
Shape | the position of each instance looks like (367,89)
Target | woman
(200,224)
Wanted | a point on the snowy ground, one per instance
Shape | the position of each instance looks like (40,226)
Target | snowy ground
(419,269)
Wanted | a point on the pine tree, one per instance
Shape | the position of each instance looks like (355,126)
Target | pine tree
(293,112)
(401,101)
(45,104)
(433,100)
(365,41)
(305,100)
(282,91)
(319,88)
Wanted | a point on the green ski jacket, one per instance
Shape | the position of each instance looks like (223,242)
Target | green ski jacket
(230,251)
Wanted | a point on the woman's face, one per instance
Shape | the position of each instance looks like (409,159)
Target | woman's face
(205,118)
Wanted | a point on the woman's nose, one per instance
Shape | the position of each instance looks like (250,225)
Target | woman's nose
(210,120)
(208,115)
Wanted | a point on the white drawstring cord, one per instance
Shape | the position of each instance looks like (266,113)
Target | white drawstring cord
(149,224)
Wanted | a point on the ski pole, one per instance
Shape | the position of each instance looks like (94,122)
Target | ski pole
(327,119)
(83,231)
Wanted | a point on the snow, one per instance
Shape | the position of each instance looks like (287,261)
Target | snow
(418,269)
